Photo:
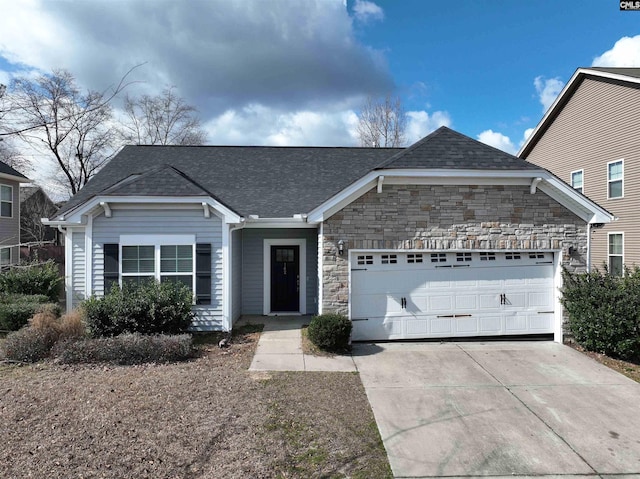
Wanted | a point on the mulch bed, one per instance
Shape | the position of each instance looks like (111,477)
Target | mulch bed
(207,418)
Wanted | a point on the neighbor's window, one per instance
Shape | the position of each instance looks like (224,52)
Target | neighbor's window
(6,201)
(616,247)
(577,180)
(5,256)
(615,178)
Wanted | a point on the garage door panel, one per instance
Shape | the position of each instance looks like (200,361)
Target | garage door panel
(500,294)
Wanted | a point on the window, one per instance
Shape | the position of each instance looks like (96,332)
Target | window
(463,256)
(577,179)
(414,258)
(6,201)
(365,259)
(175,264)
(616,248)
(5,256)
(389,259)
(615,179)
(512,255)
(438,257)
(484,256)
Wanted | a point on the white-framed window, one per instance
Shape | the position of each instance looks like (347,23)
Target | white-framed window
(616,253)
(615,179)
(5,256)
(168,258)
(6,201)
(577,180)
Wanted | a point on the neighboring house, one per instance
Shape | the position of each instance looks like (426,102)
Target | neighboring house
(35,204)
(449,237)
(589,138)
(10,180)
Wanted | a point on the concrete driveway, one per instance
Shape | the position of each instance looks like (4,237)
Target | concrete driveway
(513,409)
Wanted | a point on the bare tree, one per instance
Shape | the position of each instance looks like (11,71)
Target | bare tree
(34,205)
(9,155)
(165,119)
(61,123)
(382,123)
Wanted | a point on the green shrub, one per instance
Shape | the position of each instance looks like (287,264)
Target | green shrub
(125,349)
(604,311)
(330,332)
(17,309)
(28,344)
(151,308)
(43,278)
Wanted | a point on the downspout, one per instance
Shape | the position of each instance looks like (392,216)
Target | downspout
(229,285)
(588,247)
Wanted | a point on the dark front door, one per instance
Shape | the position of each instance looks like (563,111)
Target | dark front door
(285,278)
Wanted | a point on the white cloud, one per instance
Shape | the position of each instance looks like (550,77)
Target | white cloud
(526,135)
(257,124)
(625,53)
(365,11)
(420,124)
(497,140)
(548,90)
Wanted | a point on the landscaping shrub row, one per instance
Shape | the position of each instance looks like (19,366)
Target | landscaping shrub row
(604,311)
(150,308)
(32,279)
(16,309)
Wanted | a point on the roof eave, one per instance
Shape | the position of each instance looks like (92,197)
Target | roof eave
(561,100)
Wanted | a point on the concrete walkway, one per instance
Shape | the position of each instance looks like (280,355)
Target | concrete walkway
(280,348)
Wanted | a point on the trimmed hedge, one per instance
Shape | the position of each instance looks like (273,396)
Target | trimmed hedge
(330,332)
(150,308)
(126,349)
(40,278)
(604,311)
(17,309)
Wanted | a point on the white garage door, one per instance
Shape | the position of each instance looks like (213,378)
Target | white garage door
(408,295)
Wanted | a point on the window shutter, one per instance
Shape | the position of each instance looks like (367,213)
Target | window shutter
(203,273)
(111,266)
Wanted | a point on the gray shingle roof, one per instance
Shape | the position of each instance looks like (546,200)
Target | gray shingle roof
(275,182)
(7,170)
(445,148)
(630,72)
(278,182)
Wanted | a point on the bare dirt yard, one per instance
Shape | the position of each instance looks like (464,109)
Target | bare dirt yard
(207,418)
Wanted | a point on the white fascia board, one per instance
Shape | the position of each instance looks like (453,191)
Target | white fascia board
(419,176)
(114,202)
(19,179)
(568,88)
(278,223)
(574,201)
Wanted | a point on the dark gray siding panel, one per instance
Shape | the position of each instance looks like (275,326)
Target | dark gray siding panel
(10,227)
(253,266)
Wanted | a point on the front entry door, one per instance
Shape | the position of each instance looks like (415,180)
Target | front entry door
(285,278)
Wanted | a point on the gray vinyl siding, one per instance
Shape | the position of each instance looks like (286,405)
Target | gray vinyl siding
(599,124)
(78,268)
(236,275)
(253,266)
(10,227)
(165,222)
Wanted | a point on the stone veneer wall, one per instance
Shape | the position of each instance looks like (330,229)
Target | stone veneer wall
(437,217)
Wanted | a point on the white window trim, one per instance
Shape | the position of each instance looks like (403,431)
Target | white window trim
(571,180)
(12,202)
(302,243)
(609,181)
(609,255)
(157,241)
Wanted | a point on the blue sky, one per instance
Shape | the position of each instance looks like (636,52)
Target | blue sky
(293,72)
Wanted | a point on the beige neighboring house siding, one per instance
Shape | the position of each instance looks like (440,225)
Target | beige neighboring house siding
(599,124)
(10,227)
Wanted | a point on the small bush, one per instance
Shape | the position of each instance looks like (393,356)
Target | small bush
(126,349)
(330,332)
(604,311)
(72,326)
(151,308)
(43,278)
(16,310)
(28,345)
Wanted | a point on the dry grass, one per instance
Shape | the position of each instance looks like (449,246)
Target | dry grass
(207,418)
(631,369)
